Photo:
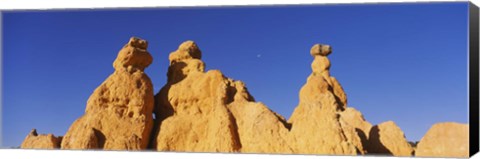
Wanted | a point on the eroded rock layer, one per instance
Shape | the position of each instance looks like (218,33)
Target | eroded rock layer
(118,115)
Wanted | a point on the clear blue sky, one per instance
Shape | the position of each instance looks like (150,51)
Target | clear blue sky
(400,62)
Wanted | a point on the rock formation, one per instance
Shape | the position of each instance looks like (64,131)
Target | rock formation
(35,141)
(260,129)
(447,139)
(204,111)
(189,109)
(316,127)
(356,128)
(388,139)
(118,115)
(200,111)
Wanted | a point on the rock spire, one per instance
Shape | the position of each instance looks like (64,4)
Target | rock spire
(118,115)
(208,112)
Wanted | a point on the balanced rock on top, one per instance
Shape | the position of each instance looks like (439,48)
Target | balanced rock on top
(316,128)
(118,115)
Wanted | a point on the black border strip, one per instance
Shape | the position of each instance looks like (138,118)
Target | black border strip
(473,79)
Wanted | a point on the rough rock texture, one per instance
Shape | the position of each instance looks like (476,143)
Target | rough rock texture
(206,112)
(355,127)
(118,115)
(447,139)
(260,129)
(355,118)
(316,127)
(35,141)
(387,138)
(191,112)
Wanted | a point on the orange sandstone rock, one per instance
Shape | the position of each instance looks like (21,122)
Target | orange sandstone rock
(448,139)
(356,128)
(387,138)
(261,130)
(118,115)
(35,141)
(204,111)
(190,110)
(316,128)
(200,111)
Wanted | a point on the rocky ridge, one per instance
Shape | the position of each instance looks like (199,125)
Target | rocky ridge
(205,111)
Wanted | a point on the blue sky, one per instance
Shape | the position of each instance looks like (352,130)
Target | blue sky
(401,62)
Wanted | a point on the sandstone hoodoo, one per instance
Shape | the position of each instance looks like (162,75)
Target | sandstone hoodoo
(316,128)
(205,111)
(202,111)
(118,115)
(447,139)
(189,108)
(35,141)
